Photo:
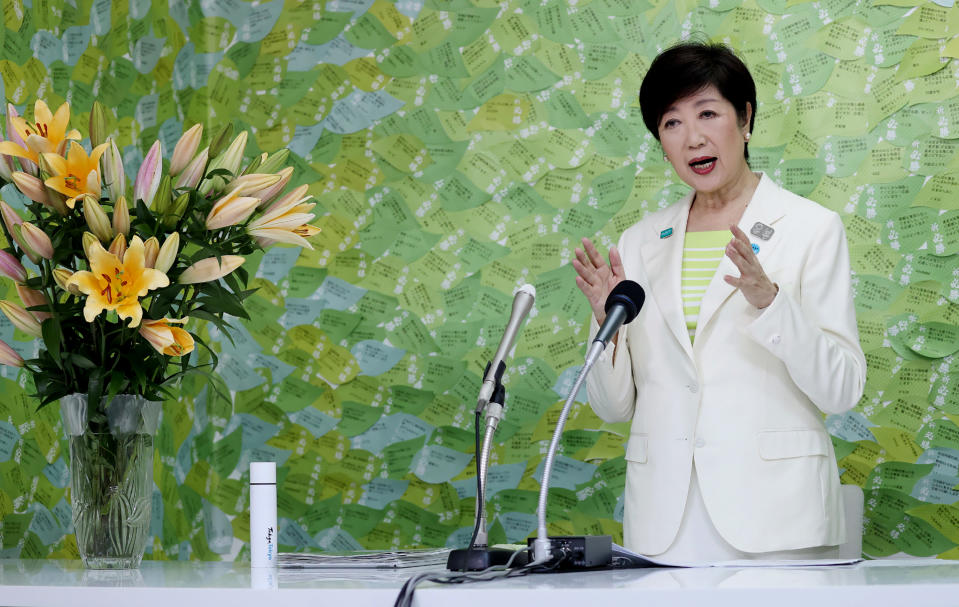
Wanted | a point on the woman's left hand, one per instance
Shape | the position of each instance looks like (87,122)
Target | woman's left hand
(752,280)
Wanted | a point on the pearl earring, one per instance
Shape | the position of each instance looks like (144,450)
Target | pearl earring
(748,135)
(665,157)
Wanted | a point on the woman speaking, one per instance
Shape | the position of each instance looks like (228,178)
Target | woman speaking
(747,337)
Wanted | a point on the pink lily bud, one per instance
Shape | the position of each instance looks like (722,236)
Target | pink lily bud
(121,216)
(151,248)
(12,221)
(149,175)
(272,191)
(193,173)
(185,149)
(114,178)
(20,318)
(246,185)
(31,187)
(119,246)
(97,219)
(32,298)
(36,240)
(11,267)
(209,269)
(7,167)
(9,356)
(230,210)
(168,253)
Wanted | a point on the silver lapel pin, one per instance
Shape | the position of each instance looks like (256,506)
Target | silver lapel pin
(761,231)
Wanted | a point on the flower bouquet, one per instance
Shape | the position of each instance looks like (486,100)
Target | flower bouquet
(113,283)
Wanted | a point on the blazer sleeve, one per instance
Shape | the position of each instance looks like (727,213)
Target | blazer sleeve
(816,337)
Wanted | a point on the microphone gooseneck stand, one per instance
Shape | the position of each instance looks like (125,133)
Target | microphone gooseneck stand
(622,306)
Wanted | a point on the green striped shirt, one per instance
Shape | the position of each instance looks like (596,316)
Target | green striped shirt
(702,252)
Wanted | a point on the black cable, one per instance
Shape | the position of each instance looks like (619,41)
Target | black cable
(405,597)
(476,441)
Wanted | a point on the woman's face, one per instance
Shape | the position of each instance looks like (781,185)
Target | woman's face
(703,139)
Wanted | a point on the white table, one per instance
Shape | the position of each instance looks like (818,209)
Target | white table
(186,584)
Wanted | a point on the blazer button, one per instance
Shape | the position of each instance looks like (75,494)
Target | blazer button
(775,339)
(693,388)
(700,443)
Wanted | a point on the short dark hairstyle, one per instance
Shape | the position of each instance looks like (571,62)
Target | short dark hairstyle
(689,67)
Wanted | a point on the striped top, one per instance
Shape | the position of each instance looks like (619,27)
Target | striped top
(702,252)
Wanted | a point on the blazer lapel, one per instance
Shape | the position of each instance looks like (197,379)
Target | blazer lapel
(766,207)
(662,256)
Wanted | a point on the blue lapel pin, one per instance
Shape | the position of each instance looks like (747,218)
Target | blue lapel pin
(755,248)
(666,233)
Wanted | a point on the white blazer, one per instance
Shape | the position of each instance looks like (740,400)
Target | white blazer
(745,401)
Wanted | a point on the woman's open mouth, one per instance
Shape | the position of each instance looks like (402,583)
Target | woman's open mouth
(703,165)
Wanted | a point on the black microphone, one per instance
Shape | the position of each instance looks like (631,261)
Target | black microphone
(623,304)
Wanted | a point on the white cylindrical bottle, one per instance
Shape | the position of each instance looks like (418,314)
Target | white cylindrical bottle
(263,531)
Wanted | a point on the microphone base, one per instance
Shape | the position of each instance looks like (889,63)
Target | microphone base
(482,557)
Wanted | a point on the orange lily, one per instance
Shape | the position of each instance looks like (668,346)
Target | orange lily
(117,284)
(172,341)
(77,174)
(42,136)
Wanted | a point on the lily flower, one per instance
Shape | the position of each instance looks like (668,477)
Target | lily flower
(9,356)
(149,175)
(7,167)
(117,284)
(31,187)
(268,193)
(230,160)
(286,221)
(21,319)
(230,210)
(172,341)
(275,161)
(11,220)
(151,248)
(209,269)
(11,267)
(62,276)
(32,298)
(121,215)
(119,246)
(193,173)
(35,240)
(44,135)
(246,185)
(97,219)
(114,178)
(87,243)
(168,253)
(98,124)
(77,174)
(185,149)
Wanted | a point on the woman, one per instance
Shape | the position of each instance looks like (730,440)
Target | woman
(748,335)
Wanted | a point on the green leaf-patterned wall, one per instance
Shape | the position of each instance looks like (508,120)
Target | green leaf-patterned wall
(458,149)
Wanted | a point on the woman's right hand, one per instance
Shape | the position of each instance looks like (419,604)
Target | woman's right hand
(595,277)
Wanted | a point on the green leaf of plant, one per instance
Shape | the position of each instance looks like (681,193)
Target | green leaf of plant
(52,336)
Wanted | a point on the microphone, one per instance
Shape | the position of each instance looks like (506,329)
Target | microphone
(522,304)
(623,304)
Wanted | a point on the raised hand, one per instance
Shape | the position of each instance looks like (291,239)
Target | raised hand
(752,280)
(595,277)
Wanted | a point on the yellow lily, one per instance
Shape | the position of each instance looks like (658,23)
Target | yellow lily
(42,136)
(172,341)
(117,284)
(286,221)
(77,174)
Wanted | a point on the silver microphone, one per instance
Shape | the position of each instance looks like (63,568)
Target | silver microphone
(522,304)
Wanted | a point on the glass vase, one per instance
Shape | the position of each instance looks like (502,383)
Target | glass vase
(111,476)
